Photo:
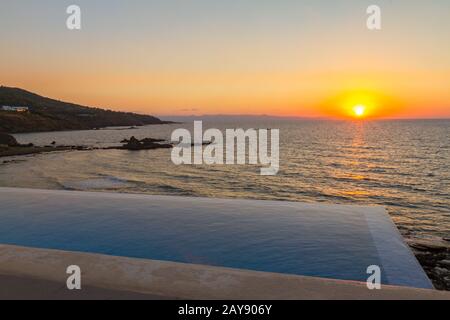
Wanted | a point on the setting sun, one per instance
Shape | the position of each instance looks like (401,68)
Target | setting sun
(359,110)
(358,104)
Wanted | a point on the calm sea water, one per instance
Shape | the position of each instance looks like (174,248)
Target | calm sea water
(402,165)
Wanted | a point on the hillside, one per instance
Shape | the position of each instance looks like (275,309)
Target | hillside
(52,115)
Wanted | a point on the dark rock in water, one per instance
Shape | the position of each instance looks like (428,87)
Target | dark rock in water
(426,246)
(434,256)
(147,141)
(441,271)
(445,263)
(53,143)
(204,143)
(12,161)
(144,144)
(8,140)
(79,148)
(133,144)
(28,145)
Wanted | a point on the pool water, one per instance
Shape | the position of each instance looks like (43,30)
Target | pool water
(331,241)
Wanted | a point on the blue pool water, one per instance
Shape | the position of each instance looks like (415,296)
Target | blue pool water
(287,237)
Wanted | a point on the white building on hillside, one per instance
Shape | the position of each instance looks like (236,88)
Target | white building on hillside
(14,109)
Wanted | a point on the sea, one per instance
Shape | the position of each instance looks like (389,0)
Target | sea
(403,165)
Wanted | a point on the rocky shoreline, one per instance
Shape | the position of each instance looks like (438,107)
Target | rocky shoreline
(10,147)
(434,256)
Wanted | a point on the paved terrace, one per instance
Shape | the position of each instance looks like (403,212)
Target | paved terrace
(29,273)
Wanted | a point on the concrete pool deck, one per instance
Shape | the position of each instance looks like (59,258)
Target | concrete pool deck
(30,273)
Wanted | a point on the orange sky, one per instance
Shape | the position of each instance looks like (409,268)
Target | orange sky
(292,59)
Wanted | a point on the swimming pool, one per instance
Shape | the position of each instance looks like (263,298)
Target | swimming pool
(331,241)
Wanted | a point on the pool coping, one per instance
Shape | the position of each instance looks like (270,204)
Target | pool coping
(170,280)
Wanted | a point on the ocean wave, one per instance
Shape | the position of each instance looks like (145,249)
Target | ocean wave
(103,183)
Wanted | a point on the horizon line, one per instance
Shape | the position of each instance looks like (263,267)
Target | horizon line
(293,117)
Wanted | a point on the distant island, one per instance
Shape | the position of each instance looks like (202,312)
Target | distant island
(23,111)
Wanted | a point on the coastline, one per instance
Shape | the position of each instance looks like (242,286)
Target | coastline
(44,114)
(434,257)
(13,148)
(23,151)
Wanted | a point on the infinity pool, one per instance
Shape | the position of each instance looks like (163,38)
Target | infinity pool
(331,241)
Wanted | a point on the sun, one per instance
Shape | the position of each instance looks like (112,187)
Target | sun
(358,105)
(359,110)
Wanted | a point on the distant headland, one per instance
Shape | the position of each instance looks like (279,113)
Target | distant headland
(23,111)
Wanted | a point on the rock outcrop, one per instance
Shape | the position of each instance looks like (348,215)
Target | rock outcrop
(8,140)
(144,144)
(434,256)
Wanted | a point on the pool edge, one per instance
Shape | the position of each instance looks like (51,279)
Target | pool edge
(185,281)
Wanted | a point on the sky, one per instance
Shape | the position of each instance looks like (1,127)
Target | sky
(311,58)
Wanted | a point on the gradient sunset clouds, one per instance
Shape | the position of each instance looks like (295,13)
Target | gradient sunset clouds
(289,58)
